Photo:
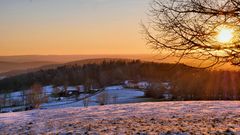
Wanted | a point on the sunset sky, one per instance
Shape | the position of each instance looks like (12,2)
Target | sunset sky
(72,27)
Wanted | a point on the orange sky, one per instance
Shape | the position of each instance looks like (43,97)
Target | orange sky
(72,27)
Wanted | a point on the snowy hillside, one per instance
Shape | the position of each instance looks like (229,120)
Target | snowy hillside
(181,118)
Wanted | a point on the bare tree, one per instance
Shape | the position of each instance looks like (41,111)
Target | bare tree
(2,103)
(36,97)
(189,29)
(103,98)
(85,102)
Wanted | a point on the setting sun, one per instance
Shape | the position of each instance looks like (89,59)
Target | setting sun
(225,35)
(136,67)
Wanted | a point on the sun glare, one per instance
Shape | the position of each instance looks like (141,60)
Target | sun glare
(225,35)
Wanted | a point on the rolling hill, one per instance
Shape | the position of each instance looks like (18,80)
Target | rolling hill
(15,65)
(11,66)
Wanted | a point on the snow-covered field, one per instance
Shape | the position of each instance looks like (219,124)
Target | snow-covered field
(115,95)
(178,118)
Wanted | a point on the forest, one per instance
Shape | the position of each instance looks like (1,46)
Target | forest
(188,83)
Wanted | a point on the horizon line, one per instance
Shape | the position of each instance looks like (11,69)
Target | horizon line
(76,54)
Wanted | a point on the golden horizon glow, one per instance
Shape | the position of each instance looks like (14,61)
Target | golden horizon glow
(225,35)
(42,27)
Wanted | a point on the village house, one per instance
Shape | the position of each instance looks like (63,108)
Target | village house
(131,84)
(143,85)
(136,85)
(72,90)
(167,85)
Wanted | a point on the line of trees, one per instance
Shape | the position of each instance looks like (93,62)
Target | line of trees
(206,85)
(93,75)
(32,98)
(187,83)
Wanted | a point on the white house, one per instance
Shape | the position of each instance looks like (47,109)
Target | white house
(167,85)
(131,84)
(143,85)
(135,84)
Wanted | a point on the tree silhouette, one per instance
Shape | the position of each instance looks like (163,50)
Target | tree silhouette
(188,29)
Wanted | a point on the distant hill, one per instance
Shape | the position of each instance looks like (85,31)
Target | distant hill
(188,83)
(15,65)
(10,66)
(51,65)
(94,61)
(98,72)
(66,58)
